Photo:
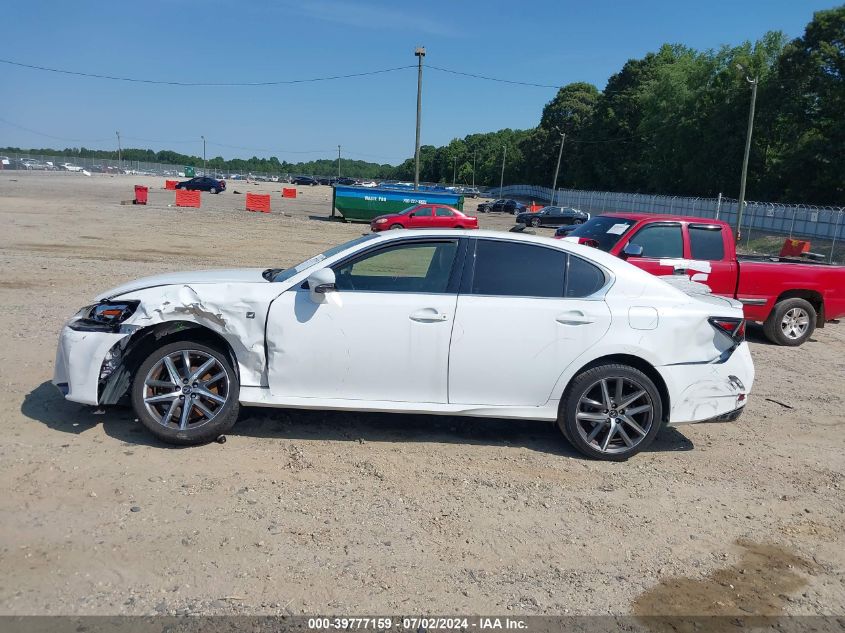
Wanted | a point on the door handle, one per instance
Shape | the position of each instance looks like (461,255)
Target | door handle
(428,315)
(573,317)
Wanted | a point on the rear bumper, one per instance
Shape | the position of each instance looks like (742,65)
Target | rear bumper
(707,392)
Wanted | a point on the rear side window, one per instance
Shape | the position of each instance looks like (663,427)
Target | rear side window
(706,242)
(583,278)
(660,240)
(509,269)
(443,213)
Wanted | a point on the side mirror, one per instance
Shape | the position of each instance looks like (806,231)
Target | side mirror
(633,250)
(410,215)
(321,282)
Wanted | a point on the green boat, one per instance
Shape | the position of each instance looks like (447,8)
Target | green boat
(362,204)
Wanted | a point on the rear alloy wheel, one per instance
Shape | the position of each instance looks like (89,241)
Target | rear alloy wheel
(611,412)
(186,393)
(791,322)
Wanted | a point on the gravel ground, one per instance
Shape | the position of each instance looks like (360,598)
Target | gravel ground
(308,512)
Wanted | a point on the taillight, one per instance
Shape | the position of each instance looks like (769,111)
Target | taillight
(734,328)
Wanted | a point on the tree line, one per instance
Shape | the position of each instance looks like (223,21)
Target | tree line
(673,122)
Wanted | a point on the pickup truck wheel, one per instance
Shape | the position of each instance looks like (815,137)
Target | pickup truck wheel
(611,412)
(791,322)
(186,393)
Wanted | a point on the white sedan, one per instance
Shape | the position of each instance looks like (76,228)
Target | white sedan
(489,324)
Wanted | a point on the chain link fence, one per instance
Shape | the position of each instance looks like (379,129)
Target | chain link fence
(822,225)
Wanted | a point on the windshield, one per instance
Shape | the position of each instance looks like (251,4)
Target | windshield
(604,229)
(281,274)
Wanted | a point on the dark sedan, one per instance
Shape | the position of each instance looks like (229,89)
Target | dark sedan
(553,216)
(502,206)
(203,183)
(305,180)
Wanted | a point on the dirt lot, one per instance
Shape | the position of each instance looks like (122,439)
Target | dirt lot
(304,512)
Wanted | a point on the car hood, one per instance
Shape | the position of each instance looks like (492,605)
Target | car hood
(233,275)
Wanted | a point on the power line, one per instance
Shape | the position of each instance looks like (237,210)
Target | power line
(487,78)
(279,82)
(57,138)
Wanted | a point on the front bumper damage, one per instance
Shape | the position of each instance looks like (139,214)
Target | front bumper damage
(80,358)
(709,392)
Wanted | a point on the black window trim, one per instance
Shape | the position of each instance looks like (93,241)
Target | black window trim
(455,275)
(468,276)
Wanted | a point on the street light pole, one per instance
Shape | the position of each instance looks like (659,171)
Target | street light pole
(474,156)
(204,166)
(502,179)
(454,169)
(419,53)
(557,169)
(338,161)
(741,202)
(119,159)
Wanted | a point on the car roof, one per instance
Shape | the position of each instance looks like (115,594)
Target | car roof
(665,217)
(609,261)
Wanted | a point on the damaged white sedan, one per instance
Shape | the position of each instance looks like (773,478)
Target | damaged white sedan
(489,324)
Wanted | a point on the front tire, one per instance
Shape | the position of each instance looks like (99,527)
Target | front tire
(791,322)
(186,393)
(535,222)
(396,226)
(611,412)
(212,190)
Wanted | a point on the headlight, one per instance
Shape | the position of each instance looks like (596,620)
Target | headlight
(105,316)
(381,220)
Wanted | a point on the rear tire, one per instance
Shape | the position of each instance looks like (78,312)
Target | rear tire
(212,393)
(791,322)
(611,412)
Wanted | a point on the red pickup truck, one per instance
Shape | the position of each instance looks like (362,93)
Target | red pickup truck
(791,297)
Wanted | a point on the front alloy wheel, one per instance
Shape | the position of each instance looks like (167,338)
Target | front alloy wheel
(186,393)
(611,412)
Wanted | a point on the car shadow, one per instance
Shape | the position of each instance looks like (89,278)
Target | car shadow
(46,405)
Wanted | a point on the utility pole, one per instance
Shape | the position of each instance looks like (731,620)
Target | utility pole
(454,169)
(419,53)
(502,179)
(741,203)
(557,169)
(474,156)
(119,159)
(204,166)
(338,161)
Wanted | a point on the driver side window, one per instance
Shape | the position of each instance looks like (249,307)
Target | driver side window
(422,212)
(660,240)
(409,267)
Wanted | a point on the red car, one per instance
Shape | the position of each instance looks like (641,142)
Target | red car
(790,297)
(425,216)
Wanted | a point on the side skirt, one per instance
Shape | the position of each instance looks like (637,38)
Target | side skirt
(261,397)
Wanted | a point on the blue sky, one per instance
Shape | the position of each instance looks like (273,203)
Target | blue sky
(372,118)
